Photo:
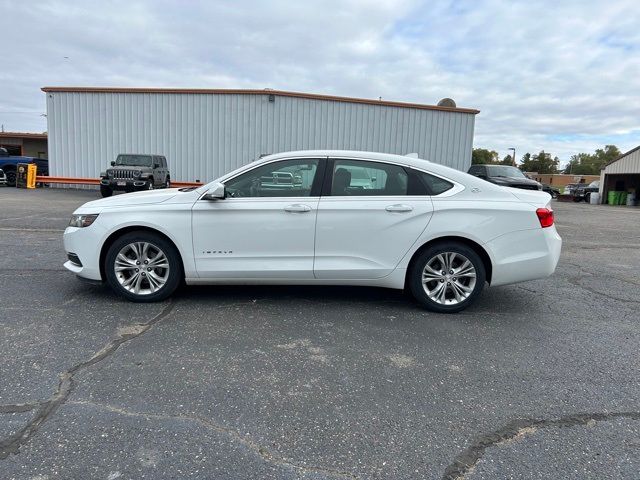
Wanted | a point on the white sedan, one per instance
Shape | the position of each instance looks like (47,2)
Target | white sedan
(320,218)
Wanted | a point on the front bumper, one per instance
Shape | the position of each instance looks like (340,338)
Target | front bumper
(129,184)
(84,243)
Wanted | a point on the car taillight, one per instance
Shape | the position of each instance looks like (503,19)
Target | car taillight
(545,215)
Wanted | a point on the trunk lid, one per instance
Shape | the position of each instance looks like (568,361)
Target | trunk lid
(534,197)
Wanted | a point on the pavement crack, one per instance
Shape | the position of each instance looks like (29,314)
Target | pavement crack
(19,407)
(46,408)
(466,461)
(263,452)
(576,282)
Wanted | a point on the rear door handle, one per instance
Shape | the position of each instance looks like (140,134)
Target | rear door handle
(399,208)
(297,208)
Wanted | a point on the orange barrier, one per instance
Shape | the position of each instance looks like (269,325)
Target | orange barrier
(96,181)
(69,180)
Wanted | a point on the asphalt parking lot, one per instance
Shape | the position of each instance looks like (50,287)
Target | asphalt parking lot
(536,380)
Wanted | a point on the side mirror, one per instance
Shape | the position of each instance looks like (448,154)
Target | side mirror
(216,192)
(113,164)
(156,165)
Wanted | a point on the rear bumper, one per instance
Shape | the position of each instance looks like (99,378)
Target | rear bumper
(524,255)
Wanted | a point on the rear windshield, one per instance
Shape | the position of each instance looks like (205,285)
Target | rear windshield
(134,160)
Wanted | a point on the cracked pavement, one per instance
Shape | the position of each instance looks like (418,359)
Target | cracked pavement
(537,380)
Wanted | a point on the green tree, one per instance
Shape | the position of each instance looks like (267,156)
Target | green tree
(541,163)
(507,160)
(592,163)
(483,156)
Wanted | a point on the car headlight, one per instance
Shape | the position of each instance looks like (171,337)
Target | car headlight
(137,173)
(82,220)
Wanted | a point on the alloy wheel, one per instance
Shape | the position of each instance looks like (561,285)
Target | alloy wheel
(141,268)
(449,278)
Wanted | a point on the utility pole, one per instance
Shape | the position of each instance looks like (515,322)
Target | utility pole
(513,159)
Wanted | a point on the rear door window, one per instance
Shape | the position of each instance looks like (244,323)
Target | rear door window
(366,178)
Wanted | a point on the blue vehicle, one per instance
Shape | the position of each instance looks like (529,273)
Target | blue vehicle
(9,164)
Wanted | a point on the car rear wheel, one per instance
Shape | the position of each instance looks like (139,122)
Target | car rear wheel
(447,277)
(150,184)
(143,267)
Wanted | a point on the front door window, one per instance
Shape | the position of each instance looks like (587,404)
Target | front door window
(288,178)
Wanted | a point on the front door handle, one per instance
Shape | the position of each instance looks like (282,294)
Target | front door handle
(399,208)
(297,208)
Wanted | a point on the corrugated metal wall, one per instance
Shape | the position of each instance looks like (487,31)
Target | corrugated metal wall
(206,135)
(628,164)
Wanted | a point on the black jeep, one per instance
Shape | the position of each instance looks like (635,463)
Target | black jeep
(132,172)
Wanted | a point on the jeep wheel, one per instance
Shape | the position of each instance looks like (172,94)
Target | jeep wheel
(150,184)
(105,191)
(167,183)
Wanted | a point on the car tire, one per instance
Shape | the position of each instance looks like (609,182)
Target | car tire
(105,191)
(587,197)
(167,183)
(150,185)
(454,290)
(124,267)
(576,199)
(11,178)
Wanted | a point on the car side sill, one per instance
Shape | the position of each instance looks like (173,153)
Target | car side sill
(393,280)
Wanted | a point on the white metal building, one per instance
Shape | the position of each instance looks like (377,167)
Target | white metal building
(622,174)
(205,133)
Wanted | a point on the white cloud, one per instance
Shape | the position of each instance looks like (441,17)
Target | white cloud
(563,76)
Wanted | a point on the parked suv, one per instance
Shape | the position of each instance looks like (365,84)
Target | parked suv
(504,175)
(135,172)
(584,191)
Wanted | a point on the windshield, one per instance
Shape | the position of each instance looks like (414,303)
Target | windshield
(504,171)
(134,160)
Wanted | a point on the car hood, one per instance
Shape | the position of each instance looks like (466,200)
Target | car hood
(516,180)
(129,167)
(128,199)
(534,197)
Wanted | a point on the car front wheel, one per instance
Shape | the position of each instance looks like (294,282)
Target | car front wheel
(143,267)
(447,277)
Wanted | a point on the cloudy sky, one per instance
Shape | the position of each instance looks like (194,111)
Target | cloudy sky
(559,75)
